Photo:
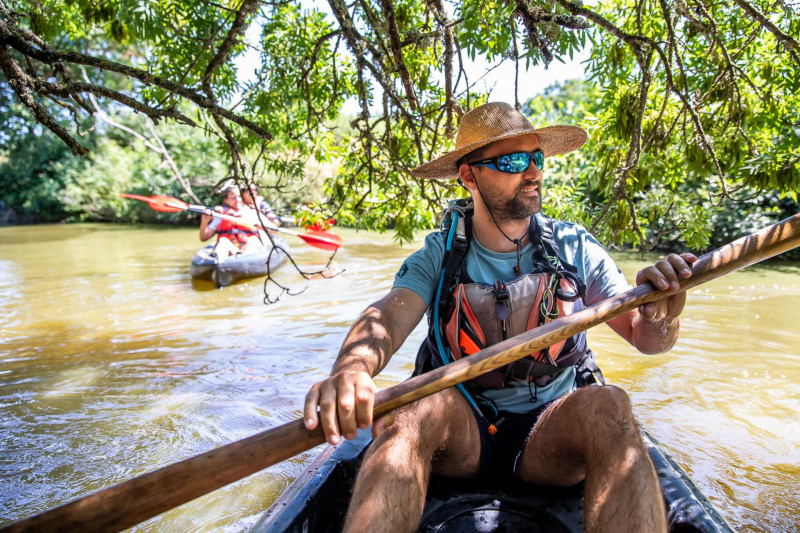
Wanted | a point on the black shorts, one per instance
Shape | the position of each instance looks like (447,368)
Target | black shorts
(500,452)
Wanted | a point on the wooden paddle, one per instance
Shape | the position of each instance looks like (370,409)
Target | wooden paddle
(319,239)
(128,503)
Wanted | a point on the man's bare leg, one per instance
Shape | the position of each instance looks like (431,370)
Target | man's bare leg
(591,434)
(389,493)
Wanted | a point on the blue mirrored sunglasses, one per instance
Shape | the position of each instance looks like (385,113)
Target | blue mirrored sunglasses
(513,163)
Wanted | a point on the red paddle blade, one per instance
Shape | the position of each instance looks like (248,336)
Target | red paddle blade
(168,204)
(159,202)
(322,239)
(135,197)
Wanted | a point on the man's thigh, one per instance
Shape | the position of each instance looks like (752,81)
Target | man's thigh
(444,429)
(556,451)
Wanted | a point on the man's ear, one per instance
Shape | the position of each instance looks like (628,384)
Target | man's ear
(465,176)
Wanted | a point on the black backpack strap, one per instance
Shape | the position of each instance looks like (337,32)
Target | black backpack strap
(453,258)
(542,229)
(587,372)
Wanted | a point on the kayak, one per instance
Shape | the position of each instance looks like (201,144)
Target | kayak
(317,500)
(240,266)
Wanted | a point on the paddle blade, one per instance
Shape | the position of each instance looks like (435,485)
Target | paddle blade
(159,202)
(168,204)
(322,240)
(135,197)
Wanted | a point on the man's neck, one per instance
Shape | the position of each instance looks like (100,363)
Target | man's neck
(490,236)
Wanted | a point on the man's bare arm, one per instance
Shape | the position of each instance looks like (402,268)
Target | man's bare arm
(346,399)
(653,328)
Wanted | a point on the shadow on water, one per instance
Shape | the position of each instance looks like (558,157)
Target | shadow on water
(34,235)
(201,285)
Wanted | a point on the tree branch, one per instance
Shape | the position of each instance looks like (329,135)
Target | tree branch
(17,81)
(238,27)
(8,37)
(792,46)
(396,47)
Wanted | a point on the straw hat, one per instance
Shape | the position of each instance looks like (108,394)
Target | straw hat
(493,122)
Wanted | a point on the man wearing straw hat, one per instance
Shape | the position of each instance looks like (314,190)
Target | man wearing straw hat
(497,268)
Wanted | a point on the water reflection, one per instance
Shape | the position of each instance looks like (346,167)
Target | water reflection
(112,364)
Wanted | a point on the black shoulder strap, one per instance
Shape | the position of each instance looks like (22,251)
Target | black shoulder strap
(454,257)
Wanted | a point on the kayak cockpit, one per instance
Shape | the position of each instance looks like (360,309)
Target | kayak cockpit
(317,500)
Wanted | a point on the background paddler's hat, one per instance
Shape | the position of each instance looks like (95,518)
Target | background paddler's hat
(493,122)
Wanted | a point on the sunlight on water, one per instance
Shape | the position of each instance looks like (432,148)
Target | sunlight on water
(113,364)
(73,382)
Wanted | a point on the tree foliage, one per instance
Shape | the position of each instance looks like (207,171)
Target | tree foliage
(691,105)
(679,213)
(688,122)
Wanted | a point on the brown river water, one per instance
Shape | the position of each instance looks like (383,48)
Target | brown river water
(113,364)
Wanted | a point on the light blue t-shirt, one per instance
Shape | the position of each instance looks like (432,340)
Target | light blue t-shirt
(576,246)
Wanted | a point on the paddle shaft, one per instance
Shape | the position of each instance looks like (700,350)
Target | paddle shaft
(210,212)
(128,503)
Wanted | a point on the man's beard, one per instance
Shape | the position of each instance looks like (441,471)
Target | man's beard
(514,208)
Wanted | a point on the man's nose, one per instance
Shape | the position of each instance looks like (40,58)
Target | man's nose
(533,173)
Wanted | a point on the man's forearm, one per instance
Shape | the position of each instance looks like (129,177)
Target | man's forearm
(368,345)
(654,336)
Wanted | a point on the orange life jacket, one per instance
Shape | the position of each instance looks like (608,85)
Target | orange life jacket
(483,315)
(229,230)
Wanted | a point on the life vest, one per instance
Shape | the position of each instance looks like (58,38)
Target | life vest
(229,230)
(483,315)
(467,317)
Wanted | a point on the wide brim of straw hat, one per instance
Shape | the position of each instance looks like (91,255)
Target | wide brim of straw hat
(496,122)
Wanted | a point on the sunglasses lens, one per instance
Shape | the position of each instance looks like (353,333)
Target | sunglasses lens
(538,160)
(519,162)
(514,163)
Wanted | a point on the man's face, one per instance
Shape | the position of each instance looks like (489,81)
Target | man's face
(509,196)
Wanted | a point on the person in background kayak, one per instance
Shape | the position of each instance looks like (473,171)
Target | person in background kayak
(506,268)
(231,238)
(252,199)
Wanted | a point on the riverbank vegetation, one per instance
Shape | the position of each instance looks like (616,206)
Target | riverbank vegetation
(691,108)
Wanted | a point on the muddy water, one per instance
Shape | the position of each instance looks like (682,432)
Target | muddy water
(113,363)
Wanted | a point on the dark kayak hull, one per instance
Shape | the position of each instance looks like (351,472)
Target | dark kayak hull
(317,500)
(236,267)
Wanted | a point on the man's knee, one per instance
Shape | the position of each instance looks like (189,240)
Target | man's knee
(597,412)
(588,402)
(610,413)
(610,399)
